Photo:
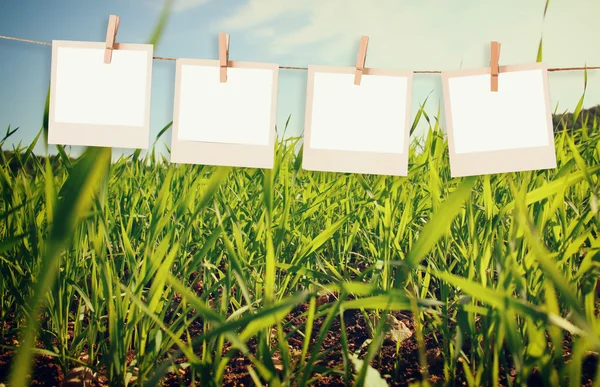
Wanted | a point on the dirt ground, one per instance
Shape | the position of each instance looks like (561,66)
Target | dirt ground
(398,369)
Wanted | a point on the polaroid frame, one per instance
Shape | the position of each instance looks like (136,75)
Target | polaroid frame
(392,164)
(223,154)
(84,134)
(499,161)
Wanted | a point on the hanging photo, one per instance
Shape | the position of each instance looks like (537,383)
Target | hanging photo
(357,128)
(229,123)
(93,103)
(507,130)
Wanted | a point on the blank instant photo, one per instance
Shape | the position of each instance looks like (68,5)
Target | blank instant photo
(496,132)
(357,128)
(93,103)
(230,123)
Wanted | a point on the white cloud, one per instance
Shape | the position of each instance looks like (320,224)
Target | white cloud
(184,5)
(264,32)
(256,12)
(178,5)
(427,34)
(424,35)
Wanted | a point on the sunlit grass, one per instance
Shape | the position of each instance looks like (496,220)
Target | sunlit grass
(141,249)
(132,267)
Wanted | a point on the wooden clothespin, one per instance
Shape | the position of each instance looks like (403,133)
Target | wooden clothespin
(495,68)
(223,55)
(111,36)
(362,58)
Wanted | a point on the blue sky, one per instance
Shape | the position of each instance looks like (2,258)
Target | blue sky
(404,34)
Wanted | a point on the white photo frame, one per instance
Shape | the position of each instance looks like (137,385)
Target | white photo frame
(226,124)
(499,132)
(357,128)
(97,104)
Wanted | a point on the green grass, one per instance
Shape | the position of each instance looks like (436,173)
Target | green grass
(105,259)
(140,264)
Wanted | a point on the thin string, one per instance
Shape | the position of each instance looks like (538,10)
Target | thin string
(552,69)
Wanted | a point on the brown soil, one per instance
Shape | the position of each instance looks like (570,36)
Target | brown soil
(399,369)
(46,372)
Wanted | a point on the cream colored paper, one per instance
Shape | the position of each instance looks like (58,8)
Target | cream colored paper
(231,125)
(357,128)
(98,104)
(234,112)
(495,132)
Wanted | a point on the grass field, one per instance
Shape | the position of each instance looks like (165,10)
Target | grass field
(142,271)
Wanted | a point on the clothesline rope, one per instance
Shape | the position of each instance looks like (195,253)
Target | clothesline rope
(553,69)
